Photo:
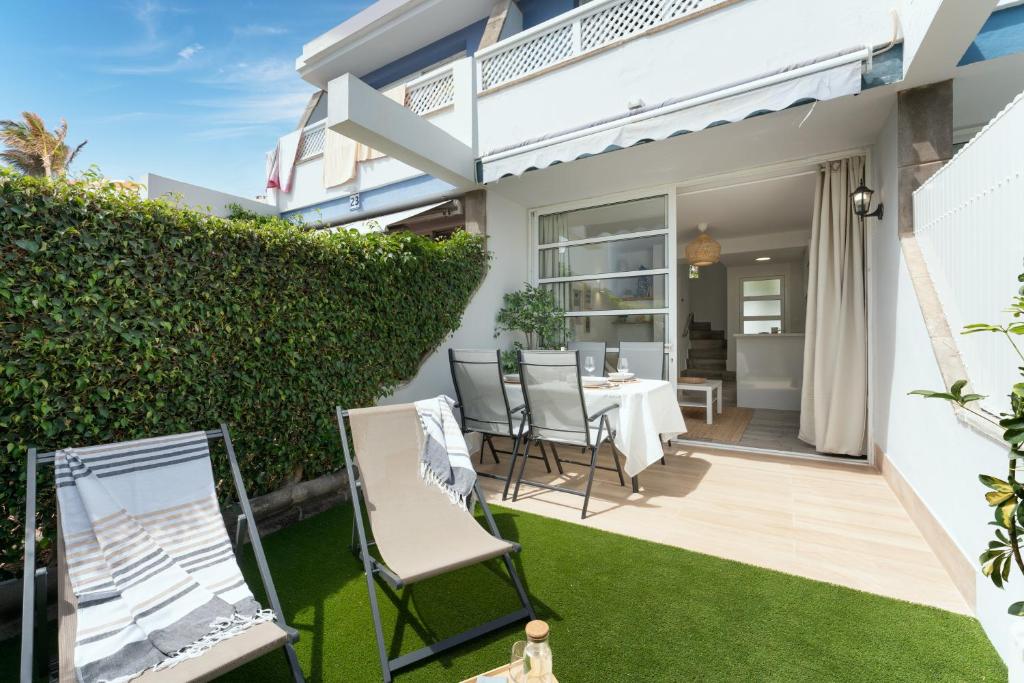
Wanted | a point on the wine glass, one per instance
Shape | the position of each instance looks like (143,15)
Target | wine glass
(623,365)
(588,365)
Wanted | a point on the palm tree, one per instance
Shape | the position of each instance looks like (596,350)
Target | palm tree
(33,150)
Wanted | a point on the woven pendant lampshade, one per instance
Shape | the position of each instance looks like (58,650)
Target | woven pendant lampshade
(704,250)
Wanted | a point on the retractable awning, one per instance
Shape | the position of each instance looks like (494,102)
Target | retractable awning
(825,79)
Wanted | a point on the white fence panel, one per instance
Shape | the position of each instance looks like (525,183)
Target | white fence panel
(969,221)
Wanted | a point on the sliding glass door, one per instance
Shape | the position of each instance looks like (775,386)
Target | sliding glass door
(610,268)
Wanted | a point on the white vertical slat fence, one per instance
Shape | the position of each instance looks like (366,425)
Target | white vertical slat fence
(969,222)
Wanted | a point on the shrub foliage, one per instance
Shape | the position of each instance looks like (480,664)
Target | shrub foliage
(122,318)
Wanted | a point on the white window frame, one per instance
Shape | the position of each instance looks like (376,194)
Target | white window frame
(669,231)
(780,297)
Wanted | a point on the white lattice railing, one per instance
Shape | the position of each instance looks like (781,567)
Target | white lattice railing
(589,28)
(968,221)
(423,95)
(431,92)
(312,142)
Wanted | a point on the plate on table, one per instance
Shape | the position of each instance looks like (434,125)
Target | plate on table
(511,378)
(592,382)
(621,376)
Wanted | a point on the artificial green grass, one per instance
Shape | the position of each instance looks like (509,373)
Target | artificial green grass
(620,609)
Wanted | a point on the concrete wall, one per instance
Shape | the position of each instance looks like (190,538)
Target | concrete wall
(794,304)
(507,227)
(939,457)
(708,295)
(201,198)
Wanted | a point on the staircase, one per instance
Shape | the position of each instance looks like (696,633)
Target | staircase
(707,354)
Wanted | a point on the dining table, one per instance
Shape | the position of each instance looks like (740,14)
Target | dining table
(647,414)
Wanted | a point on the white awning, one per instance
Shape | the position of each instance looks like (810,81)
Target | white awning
(823,80)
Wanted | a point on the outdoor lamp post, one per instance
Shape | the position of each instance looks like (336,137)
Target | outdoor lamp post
(861,198)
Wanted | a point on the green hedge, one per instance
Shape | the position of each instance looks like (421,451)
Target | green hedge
(122,318)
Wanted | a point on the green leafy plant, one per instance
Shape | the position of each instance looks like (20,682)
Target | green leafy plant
(123,318)
(1006,497)
(33,150)
(534,313)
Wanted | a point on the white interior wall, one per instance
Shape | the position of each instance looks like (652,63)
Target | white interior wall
(794,298)
(507,240)
(708,296)
(939,457)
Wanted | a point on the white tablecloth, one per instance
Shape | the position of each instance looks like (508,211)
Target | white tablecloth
(648,413)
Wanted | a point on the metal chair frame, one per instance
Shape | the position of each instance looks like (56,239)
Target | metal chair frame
(34,592)
(604,433)
(515,435)
(374,568)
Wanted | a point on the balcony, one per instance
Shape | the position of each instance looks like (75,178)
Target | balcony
(609,74)
(612,59)
(431,96)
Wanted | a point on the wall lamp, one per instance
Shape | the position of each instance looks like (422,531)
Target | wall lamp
(861,198)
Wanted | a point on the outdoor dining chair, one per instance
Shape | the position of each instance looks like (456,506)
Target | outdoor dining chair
(596,350)
(221,658)
(646,359)
(484,406)
(557,412)
(416,529)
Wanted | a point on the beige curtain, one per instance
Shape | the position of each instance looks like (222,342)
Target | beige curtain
(342,155)
(833,405)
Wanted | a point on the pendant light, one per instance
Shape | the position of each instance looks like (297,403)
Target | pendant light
(703,251)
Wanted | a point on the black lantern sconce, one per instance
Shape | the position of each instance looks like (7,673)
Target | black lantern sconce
(861,198)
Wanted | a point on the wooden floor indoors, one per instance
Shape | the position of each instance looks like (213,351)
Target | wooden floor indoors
(831,522)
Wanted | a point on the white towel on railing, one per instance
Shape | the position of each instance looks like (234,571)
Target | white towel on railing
(342,155)
(149,559)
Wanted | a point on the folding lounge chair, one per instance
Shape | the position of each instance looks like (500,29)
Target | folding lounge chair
(484,406)
(417,530)
(558,414)
(223,657)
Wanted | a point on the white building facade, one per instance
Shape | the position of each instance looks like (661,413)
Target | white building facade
(588,141)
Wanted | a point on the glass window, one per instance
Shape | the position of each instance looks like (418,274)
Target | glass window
(611,294)
(757,307)
(761,305)
(613,329)
(619,256)
(603,221)
(617,250)
(767,287)
(761,326)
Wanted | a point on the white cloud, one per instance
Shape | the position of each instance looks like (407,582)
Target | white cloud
(261,92)
(257,30)
(188,52)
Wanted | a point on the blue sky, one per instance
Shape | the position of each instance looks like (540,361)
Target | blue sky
(197,90)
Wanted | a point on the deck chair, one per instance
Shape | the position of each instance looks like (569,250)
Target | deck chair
(558,414)
(417,530)
(218,660)
(484,407)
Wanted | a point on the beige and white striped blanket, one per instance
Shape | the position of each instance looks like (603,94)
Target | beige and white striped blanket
(149,559)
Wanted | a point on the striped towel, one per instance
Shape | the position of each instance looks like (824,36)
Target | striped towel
(148,556)
(444,460)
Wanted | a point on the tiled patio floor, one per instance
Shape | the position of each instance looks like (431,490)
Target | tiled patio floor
(830,522)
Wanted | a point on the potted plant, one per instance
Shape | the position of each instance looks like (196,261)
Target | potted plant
(534,313)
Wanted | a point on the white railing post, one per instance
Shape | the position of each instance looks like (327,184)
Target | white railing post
(464,77)
(577,37)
